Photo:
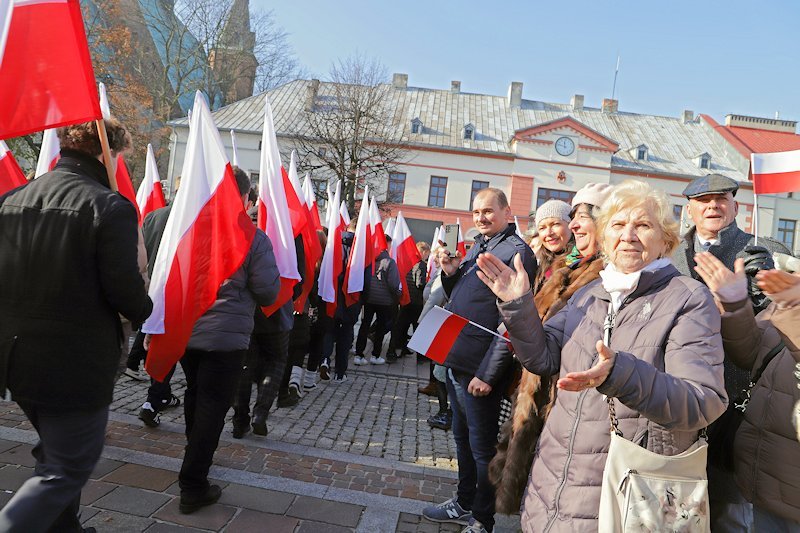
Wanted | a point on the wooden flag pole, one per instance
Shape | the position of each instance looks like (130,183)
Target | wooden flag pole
(108,161)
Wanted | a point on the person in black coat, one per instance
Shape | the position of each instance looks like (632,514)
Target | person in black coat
(68,269)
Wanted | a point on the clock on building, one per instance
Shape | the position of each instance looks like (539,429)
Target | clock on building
(565,146)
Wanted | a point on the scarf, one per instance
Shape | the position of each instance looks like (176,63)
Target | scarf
(574,257)
(619,285)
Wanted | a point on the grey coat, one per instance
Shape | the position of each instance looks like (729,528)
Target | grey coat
(667,380)
(227,325)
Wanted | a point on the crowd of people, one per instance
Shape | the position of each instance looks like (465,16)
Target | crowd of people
(617,328)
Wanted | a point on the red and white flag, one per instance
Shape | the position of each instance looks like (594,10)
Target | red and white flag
(311,202)
(406,254)
(461,246)
(46,76)
(49,153)
(273,212)
(360,255)
(344,214)
(389,226)
(150,195)
(11,175)
(518,229)
(331,266)
(206,240)
(776,172)
(379,243)
(121,174)
(432,268)
(234,151)
(435,336)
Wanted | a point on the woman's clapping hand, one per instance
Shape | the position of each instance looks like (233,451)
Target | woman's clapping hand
(506,283)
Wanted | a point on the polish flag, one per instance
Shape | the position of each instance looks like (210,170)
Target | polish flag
(11,175)
(234,152)
(302,225)
(360,255)
(460,245)
(390,228)
(46,77)
(776,172)
(519,230)
(311,202)
(432,268)
(345,215)
(379,243)
(150,195)
(49,153)
(273,212)
(435,336)
(123,177)
(332,259)
(207,238)
(405,253)
(105,107)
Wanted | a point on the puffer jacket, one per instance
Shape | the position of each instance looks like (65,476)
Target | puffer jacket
(766,451)
(535,395)
(227,325)
(667,379)
(383,287)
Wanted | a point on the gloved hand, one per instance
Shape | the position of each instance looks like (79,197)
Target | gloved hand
(757,258)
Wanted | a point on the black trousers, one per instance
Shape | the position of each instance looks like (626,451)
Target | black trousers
(211,379)
(137,353)
(160,392)
(384,320)
(339,333)
(408,316)
(265,365)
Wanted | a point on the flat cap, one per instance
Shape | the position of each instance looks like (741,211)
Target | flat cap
(710,184)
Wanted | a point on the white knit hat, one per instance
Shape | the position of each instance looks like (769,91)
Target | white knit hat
(553,209)
(593,194)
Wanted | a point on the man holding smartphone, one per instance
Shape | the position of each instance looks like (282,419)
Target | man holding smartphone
(475,384)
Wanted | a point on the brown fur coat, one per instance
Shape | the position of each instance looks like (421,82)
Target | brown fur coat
(509,469)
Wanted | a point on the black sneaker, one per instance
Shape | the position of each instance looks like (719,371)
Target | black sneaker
(292,397)
(259,427)
(173,401)
(441,420)
(240,429)
(149,416)
(190,504)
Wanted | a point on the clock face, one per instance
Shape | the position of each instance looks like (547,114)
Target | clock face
(565,146)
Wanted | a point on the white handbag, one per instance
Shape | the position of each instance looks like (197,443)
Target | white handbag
(644,491)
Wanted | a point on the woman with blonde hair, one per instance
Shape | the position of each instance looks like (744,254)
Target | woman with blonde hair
(643,336)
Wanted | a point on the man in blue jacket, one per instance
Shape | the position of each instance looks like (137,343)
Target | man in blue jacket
(476,383)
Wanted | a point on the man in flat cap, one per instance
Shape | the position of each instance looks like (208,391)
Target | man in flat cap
(713,210)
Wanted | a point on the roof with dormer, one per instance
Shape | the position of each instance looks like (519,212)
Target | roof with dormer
(672,143)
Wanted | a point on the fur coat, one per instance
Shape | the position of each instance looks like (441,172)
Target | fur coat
(509,469)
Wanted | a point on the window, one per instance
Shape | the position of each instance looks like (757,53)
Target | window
(322,153)
(703,162)
(320,192)
(786,229)
(641,154)
(469,132)
(437,191)
(397,188)
(677,211)
(416,126)
(477,186)
(254,178)
(553,194)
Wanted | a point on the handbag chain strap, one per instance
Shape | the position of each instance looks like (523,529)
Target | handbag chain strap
(608,327)
(744,398)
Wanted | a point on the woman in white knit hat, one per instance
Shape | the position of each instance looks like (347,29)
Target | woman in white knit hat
(552,223)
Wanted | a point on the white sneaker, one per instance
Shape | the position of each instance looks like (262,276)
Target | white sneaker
(337,380)
(360,360)
(310,381)
(377,360)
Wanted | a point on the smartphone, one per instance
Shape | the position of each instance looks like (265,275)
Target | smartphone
(451,238)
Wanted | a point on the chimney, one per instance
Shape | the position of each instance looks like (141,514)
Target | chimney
(759,123)
(311,94)
(400,81)
(610,105)
(515,94)
(455,87)
(577,102)
(688,116)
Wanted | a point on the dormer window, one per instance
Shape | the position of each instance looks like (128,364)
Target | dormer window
(703,160)
(640,153)
(469,132)
(416,126)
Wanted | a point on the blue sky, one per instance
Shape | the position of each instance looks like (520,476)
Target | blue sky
(714,57)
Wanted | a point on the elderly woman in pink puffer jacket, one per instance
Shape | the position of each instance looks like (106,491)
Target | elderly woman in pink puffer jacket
(663,365)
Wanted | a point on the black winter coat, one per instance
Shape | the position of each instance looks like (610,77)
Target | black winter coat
(68,268)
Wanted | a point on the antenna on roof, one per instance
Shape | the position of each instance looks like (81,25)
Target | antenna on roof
(614,87)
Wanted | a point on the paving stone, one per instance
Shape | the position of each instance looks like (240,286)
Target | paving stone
(249,520)
(110,522)
(18,455)
(105,466)
(213,517)
(12,477)
(321,527)
(266,501)
(143,477)
(95,490)
(86,513)
(7,445)
(132,501)
(163,527)
(343,514)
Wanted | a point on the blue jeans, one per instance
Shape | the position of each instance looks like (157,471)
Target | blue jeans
(475,432)
(763,520)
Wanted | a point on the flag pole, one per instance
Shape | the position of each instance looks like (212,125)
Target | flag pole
(108,161)
(755,216)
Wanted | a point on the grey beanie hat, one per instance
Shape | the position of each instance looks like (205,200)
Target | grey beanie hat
(553,209)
